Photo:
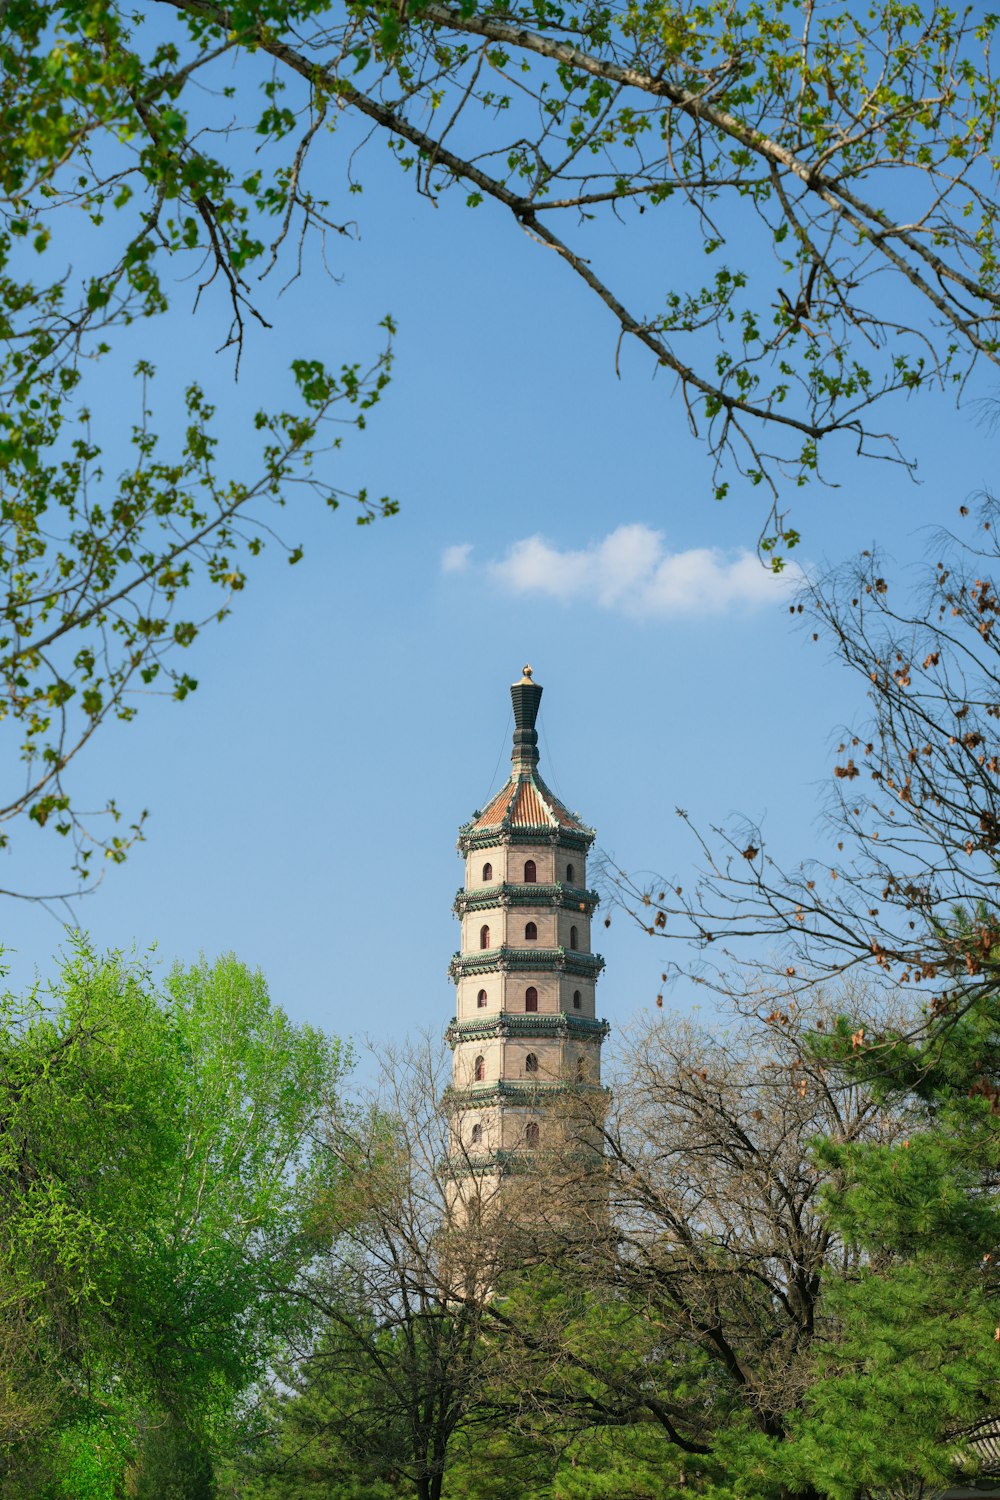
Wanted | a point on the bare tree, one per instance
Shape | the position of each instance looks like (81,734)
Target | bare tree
(904,892)
(392,1374)
(719,1198)
(900,921)
(698,1316)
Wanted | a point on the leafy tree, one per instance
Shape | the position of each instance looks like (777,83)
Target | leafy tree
(906,1361)
(917,1348)
(156,1176)
(509,1459)
(117,553)
(838,169)
(800,120)
(174,1464)
(109,580)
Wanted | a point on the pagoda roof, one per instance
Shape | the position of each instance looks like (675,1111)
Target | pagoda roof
(526,803)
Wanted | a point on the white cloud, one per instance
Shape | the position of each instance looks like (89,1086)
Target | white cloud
(456,559)
(631,570)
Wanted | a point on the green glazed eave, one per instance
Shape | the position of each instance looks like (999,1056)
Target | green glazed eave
(542,960)
(538,1024)
(519,1095)
(565,897)
(505,1162)
(500,837)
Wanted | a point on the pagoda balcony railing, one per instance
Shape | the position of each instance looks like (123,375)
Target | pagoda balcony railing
(524,1095)
(545,960)
(515,1023)
(555,894)
(496,835)
(506,1160)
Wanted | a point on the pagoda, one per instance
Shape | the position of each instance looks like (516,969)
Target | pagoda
(525,1028)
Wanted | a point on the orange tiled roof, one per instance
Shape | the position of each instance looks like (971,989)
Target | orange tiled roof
(494,814)
(526,802)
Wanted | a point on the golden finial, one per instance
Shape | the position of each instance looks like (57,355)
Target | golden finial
(527,673)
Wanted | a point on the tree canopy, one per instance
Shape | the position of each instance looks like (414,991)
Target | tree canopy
(836,167)
(223,1276)
(155,1172)
(787,1292)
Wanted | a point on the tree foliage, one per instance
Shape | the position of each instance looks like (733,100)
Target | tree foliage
(861,145)
(785,1296)
(155,1171)
(123,531)
(837,167)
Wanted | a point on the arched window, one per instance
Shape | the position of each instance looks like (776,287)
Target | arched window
(576,1000)
(487,872)
(531,998)
(581,1070)
(480,1069)
(530,875)
(481,1000)
(477,1134)
(531,1063)
(530,932)
(570,874)
(531,1135)
(484,937)
(574,939)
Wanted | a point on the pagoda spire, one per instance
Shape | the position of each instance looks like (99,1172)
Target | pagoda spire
(526,695)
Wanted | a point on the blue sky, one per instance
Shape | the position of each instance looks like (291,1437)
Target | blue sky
(354,710)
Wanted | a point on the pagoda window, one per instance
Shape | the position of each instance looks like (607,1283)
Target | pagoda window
(576,1000)
(479,1069)
(581,1070)
(477,1134)
(530,873)
(481,1000)
(531,1135)
(530,932)
(487,872)
(484,937)
(531,1063)
(574,938)
(570,873)
(531,998)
